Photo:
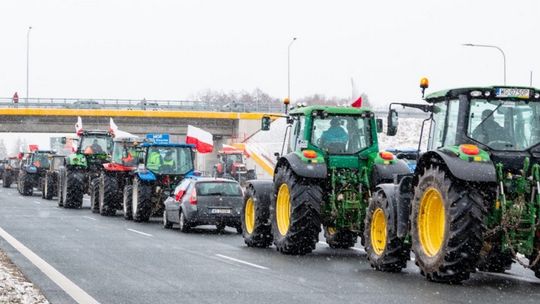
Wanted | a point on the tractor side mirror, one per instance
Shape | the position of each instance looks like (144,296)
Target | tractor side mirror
(392,122)
(63,140)
(379,125)
(265,123)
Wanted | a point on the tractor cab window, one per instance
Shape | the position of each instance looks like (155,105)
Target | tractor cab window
(125,154)
(169,160)
(339,134)
(297,134)
(96,144)
(40,160)
(437,125)
(504,124)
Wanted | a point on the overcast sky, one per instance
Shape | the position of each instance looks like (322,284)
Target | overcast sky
(174,49)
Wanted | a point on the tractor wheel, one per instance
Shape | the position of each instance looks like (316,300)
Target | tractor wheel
(6,179)
(60,187)
(385,251)
(295,212)
(495,260)
(220,228)
(26,185)
(48,187)
(73,189)
(142,201)
(447,226)
(343,239)
(94,195)
(126,202)
(108,195)
(256,228)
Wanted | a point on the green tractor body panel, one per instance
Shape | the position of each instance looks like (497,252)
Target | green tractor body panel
(76,160)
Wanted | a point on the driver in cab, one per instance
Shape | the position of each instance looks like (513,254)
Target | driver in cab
(335,138)
(94,148)
(489,130)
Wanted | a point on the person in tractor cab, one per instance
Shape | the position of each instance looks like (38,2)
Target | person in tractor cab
(154,160)
(334,138)
(131,158)
(489,130)
(94,148)
(168,160)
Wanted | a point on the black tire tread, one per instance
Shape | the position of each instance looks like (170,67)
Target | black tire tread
(261,237)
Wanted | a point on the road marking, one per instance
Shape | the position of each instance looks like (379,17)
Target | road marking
(242,262)
(139,232)
(74,291)
(36,202)
(90,218)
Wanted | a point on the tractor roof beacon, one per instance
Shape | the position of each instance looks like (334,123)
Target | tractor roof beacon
(324,175)
(473,201)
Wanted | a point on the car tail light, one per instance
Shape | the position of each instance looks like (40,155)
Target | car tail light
(193,198)
(386,155)
(179,195)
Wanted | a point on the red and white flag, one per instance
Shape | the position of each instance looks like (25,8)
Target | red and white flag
(229,148)
(356,96)
(113,128)
(78,126)
(203,140)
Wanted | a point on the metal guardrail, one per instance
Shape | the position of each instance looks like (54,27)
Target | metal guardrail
(131,104)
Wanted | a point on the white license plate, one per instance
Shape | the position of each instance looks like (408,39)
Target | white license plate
(220,211)
(512,92)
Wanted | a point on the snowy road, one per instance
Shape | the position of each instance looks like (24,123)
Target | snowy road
(116,261)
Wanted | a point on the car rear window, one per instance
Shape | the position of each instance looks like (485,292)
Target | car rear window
(218,188)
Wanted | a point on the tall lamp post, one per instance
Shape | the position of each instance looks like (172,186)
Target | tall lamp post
(27,61)
(494,47)
(289,69)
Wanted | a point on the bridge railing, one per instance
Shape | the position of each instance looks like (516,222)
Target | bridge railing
(144,104)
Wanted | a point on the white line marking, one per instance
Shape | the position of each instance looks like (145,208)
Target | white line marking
(139,232)
(90,218)
(36,202)
(242,262)
(74,291)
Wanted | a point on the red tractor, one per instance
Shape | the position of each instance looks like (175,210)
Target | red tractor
(232,165)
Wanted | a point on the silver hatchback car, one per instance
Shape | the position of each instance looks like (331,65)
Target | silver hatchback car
(204,201)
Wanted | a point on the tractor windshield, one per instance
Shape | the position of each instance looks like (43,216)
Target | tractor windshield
(125,153)
(505,124)
(169,160)
(41,160)
(341,134)
(92,144)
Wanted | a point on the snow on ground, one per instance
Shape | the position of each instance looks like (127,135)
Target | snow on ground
(407,136)
(14,287)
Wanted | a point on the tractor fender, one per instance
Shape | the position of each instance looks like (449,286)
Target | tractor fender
(264,190)
(300,168)
(385,173)
(399,197)
(469,171)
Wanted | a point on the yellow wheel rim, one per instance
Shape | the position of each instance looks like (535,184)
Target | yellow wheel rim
(431,221)
(249,214)
(378,231)
(283,209)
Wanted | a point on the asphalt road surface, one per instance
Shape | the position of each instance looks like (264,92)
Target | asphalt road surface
(118,261)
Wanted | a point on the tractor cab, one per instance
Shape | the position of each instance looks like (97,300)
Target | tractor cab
(40,160)
(125,152)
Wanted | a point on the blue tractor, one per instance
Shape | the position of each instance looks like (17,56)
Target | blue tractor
(161,168)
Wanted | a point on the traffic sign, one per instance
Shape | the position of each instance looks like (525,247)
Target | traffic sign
(158,138)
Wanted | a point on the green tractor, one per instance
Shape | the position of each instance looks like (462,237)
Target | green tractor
(324,178)
(82,169)
(473,201)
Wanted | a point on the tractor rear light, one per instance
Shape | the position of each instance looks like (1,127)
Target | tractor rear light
(469,149)
(386,155)
(310,154)
(193,197)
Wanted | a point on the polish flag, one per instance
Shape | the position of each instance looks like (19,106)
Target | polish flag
(78,126)
(113,128)
(202,140)
(33,148)
(356,96)
(229,148)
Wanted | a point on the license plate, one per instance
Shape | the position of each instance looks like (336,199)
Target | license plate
(220,211)
(512,92)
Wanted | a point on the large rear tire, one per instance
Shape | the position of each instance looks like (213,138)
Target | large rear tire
(142,201)
(447,226)
(26,185)
(60,185)
(48,186)
(127,202)
(385,251)
(94,195)
(256,228)
(108,195)
(74,189)
(295,212)
(6,179)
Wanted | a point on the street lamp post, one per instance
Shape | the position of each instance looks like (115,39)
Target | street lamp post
(27,61)
(494,47)
(289,69)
